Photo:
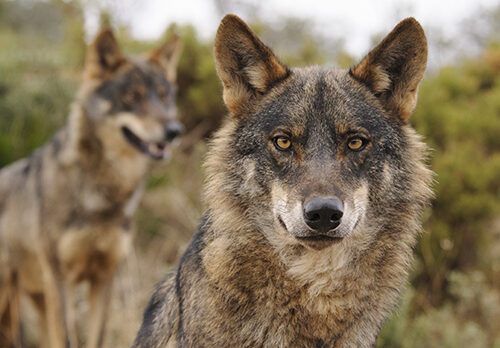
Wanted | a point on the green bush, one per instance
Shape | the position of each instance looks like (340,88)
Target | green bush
(454,297)
(470,318)
(35,94)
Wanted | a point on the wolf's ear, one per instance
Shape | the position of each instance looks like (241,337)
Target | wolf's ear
(167,56)
(103,56)
(247,68)
(394,69)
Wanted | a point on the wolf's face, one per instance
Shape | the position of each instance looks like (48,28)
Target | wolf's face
(322,146)
(132,102)
(317,147)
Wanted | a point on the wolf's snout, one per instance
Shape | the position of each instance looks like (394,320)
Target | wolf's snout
(172,130)
(323,214)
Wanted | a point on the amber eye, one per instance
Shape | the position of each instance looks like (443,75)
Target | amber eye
(356,143)
(133,96)
(282,143)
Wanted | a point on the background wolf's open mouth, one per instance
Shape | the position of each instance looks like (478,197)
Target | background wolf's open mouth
(156,151)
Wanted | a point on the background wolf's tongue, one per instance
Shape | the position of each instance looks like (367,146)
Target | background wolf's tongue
(157,150)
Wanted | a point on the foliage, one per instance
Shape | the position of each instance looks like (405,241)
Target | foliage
(459,112)
(469,319)
(34,93)
(454,300)
(200,91)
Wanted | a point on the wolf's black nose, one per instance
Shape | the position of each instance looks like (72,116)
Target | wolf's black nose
(173,129)
(323,214)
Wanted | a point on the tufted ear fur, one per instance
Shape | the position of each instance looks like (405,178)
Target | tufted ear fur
(167,56)
(394,69)
(103,56)
(247,68)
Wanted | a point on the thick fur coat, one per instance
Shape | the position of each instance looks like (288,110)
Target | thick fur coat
(316,185)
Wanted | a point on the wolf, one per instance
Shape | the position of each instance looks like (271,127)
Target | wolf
(316,183)
(66,210)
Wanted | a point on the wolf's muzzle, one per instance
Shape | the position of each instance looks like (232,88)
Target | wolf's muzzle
(156,150)
(323,214)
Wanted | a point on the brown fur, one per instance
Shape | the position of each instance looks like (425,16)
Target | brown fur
(257,274)
(262,68)
(65,212)
(393,69)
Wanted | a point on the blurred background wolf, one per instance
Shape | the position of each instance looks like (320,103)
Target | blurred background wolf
(65,211)
(453,298)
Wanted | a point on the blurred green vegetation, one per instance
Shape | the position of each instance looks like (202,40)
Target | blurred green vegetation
(454,300)
(454,296)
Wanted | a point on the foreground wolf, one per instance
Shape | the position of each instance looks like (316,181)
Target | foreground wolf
(315,187)
(65,211)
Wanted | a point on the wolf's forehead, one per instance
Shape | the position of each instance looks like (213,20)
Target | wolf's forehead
(321,102)
(143,74)
(315,93)
(135,76)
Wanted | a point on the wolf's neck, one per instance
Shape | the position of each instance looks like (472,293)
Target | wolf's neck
(103,178)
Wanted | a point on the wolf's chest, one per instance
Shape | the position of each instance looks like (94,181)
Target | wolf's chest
(96,237)
(92,252)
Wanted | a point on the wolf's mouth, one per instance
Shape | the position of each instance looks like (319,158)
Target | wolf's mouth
(320,238)
(156,151)
(319,242)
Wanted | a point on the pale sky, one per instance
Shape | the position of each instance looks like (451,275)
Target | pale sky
(357,20)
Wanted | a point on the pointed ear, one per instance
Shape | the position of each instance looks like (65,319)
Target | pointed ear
(103,56)
(394,69)
(167,56)
(247,68)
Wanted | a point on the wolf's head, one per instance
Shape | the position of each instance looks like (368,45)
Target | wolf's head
(313,154)
(130,103)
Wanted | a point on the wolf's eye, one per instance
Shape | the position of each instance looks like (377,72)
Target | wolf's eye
(356,143)
(133,96)
(282,143)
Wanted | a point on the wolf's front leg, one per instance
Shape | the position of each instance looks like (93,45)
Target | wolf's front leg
(54,303)
(9,315)
(69,306)
(100,294)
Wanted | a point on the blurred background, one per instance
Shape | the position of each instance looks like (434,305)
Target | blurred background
(453,298)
